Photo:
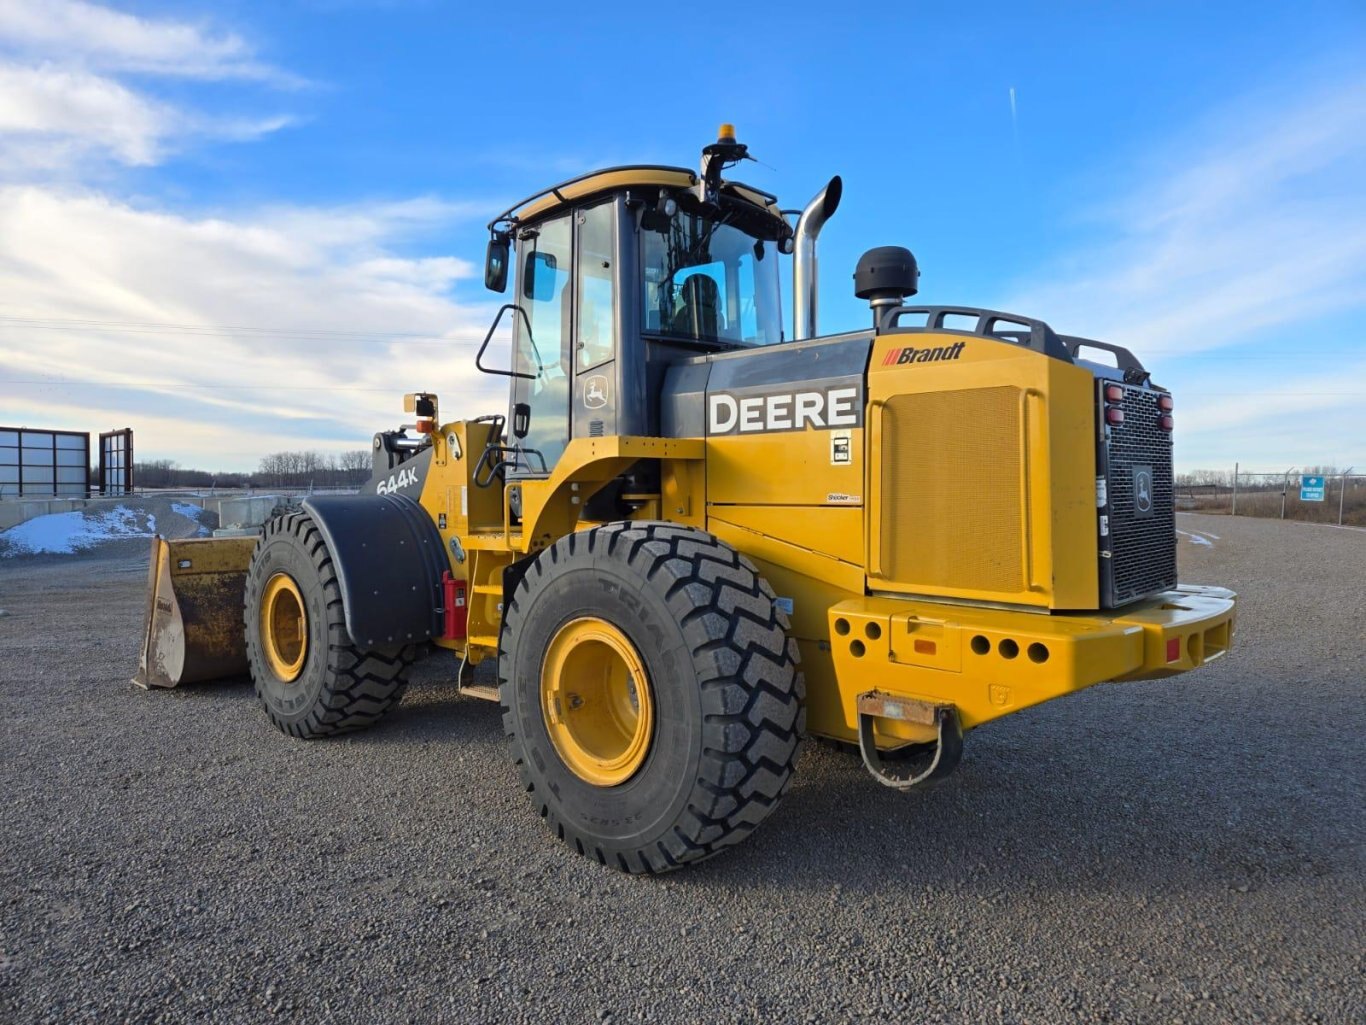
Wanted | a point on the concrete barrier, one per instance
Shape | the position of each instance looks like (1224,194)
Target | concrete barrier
(242,512)
(238,513)
(16,511)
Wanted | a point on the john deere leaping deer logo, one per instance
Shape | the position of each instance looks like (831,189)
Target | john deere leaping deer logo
(595,392)
(1143,490)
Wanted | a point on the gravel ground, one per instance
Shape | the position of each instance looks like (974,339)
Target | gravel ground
(1188,850)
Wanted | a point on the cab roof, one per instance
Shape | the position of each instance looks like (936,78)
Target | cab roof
(613,179)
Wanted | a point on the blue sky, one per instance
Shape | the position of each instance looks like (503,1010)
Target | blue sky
(244,227)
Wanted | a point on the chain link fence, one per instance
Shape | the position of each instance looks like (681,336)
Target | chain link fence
(1275,494)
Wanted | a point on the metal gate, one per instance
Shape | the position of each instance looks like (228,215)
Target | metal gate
(116,462)
(44,464)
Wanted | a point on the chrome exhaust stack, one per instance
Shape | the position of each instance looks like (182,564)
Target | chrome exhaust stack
(804,275)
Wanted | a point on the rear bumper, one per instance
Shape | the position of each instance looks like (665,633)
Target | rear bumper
(991,662)
(1188,627)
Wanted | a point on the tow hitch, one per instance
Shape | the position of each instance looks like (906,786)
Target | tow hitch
(916,764)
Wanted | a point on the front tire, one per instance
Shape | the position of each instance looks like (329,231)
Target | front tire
(311,679)
(650,693)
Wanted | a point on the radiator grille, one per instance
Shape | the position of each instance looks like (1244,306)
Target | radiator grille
(952,490)
(1142,547)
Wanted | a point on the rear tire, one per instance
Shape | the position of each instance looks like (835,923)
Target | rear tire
(311,679)
(722,690)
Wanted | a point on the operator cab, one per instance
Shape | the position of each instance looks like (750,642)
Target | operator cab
(617,274)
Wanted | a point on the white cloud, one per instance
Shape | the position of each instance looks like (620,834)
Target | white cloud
(67,102)
(1245,230)
(221,339)
(55,118)
(1239,231)
(100,37)
(46,114)
(1267,418)
(218,338)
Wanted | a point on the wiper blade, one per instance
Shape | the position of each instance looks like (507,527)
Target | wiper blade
(696,251)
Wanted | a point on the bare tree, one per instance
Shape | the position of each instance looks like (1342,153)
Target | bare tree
(317,469)
(153,473)
(354,466)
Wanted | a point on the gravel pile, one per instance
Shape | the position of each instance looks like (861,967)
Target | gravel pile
(1187,850)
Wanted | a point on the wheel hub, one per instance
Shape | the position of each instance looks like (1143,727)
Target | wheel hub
(597,702)
(284,627)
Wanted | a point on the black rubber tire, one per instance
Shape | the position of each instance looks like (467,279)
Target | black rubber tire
(729,699)
(340,688)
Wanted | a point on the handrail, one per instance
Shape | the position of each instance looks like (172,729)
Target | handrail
(506,217)
(876,482)
(1026,499)
(479,356)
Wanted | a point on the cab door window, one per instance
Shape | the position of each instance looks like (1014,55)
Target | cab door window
(597,295)
(543,352)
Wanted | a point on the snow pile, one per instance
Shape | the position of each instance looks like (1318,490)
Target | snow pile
(72,531)
(69,533)
(64,533)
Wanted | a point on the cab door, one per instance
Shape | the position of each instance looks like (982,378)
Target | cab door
(596,367)
(568,288)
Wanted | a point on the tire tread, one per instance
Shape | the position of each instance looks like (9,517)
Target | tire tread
(748,676)
(361,687)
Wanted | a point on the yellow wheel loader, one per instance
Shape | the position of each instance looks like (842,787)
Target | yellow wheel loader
(696,537)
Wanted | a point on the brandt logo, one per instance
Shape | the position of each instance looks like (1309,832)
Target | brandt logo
(937,354)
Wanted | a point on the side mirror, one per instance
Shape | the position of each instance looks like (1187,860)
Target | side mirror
(521,420)
(538,276)
(496,264)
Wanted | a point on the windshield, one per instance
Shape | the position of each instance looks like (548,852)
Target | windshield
(709,281)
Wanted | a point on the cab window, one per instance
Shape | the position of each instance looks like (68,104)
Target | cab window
(545,295)
(709,281)
(597,271)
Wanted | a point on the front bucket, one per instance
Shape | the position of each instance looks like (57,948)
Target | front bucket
(194,628)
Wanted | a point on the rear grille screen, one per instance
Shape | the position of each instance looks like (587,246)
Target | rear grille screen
(1141,520)
(951,487)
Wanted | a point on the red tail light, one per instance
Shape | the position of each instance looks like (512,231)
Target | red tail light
(1165,403)
(1166,423)
(1114,393)
(1114,416)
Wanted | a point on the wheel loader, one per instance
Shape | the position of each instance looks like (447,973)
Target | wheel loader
(696,536)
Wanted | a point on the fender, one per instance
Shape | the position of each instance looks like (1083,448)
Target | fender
(389,560)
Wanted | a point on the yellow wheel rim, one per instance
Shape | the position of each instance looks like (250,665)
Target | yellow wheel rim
(284,627)
(597,702)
